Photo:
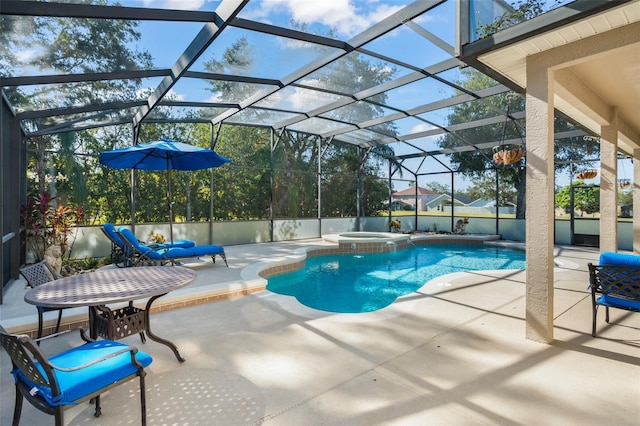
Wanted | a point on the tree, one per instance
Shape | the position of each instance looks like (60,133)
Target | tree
(68,46)
(586,198)
(75,45)
(523,10)
(625,197)
(296,154)
(474,163)
(242,187)
(484,188)
(438,187)
(339,183)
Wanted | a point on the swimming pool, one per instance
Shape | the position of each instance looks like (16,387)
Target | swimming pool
(369,282)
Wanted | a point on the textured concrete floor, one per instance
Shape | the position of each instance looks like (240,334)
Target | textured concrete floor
(452,353)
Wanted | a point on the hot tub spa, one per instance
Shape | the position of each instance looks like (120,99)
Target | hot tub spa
(369,242)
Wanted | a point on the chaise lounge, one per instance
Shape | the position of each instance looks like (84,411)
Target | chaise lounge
(122,255)
(147,254)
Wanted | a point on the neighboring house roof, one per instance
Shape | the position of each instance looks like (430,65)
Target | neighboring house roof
(488,203)
(464,199)
(446,197)
(400,202)
(412,191)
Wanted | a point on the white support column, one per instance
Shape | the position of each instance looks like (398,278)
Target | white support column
(540,200)
(636,201)
(609,188)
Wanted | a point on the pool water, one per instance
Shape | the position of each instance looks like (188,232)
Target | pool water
(368,282)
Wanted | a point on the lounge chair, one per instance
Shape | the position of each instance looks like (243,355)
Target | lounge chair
(122,255)
(147,254)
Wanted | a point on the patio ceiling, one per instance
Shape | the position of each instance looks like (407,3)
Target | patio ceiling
(291,82)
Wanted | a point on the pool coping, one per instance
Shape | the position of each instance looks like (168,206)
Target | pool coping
(253,279)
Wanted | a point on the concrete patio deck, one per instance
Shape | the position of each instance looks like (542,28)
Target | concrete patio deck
(452,353)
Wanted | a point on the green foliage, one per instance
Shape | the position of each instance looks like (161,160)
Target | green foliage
(586,199)
(47,224)
(475,163)
(438,187)
(484,188)
(90,263)
(241,190)
(625,197)
(69,46)
(523,10)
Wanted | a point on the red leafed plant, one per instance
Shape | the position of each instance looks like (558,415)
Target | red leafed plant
(47,224)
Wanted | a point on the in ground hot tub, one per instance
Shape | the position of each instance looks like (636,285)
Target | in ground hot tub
(368,242)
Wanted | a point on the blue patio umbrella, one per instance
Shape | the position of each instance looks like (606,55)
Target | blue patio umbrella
(163,154)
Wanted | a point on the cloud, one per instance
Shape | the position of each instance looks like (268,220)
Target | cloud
(25,55)
(346,16)
(174,4)
(423,127)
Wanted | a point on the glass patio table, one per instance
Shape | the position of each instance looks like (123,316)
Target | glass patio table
(97,289)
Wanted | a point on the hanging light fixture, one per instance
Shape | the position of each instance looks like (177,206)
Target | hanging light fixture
(624,183)
(507,154)
(587,174)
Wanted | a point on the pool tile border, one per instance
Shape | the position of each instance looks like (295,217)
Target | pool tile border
(373,247)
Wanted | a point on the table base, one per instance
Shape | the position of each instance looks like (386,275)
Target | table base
(119,323)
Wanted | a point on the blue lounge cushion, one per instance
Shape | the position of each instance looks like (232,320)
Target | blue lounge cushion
(206,250)
(173,252)
(177,243)
(80,383)
(111,230)
(612,258)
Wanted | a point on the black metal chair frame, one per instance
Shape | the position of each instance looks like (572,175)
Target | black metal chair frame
(38,274)
(24,354)
(617,281)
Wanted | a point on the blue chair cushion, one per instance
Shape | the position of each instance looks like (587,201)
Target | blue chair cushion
(618,302)
(611,258)
(80,383)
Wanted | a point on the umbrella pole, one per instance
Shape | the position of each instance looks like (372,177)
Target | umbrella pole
(170,204)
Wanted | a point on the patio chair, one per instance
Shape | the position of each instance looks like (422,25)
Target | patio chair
(162,256)
(121,253)
(38,274)
(78,374)
(614,283)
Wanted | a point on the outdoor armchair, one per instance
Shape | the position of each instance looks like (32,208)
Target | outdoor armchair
(38,274)
(51,383)
(614,283)
(147,254)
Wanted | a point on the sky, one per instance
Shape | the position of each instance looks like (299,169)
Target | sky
(167,41)
(347,18)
